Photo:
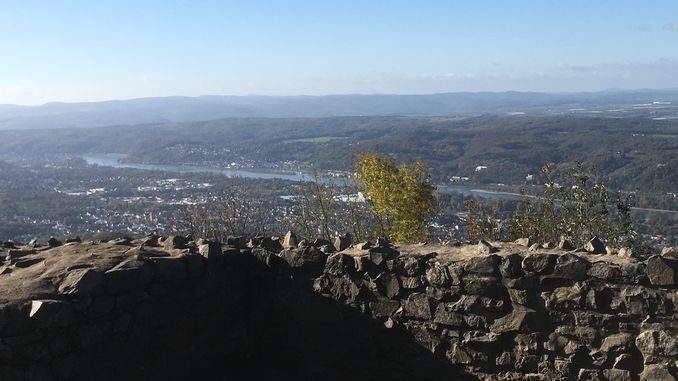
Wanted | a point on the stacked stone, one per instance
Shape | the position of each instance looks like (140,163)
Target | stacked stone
(159,303)
(177,308)
(511,316)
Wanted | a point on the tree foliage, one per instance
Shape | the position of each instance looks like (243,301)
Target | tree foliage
(327,208)
(576,210)
(401,196)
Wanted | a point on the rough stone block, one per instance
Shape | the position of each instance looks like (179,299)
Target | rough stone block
(662,271)
(417,306)
(82,282)
(51,313)
(483,265)
(169,269)
(384,307)
(521,319)
(539,263)
(128,277)
(446,314)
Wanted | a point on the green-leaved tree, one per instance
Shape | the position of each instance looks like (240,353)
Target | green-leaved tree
(401,196)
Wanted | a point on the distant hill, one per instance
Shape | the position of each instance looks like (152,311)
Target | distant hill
(186,109)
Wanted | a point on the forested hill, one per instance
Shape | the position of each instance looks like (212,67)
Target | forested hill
(633,153)
(652,103)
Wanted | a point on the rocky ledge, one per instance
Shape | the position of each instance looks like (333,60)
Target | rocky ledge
(495,311)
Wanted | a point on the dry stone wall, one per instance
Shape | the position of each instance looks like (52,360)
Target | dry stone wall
(523,315)
(177,309)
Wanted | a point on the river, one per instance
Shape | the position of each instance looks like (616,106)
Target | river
(112,160)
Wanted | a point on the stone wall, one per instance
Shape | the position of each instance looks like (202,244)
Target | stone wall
(519,314)
(176,309)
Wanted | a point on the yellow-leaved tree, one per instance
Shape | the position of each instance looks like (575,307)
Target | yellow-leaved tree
(402,197)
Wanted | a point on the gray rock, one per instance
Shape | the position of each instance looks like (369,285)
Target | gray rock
(53,242)
(388,285)
(169,268)
(408,266)
(524,242)
(617,375)
(652,343)
(617,343)
(417,306)
(482,285)
(539,263)
(82,282)
(101,306)
(570,266)
(521,319)
(384,307)
(308,258)
(627,362)
(595,246)
(565,245)
(342,288)
(175,242)
(485,248)
(657,372)
(484,265)
(339,264)
(625,252)
(605,271)
(446,314)
(411,282)
(670,252)
(662,271)
(437,275)
(290,240)
(343,242)
(511,266)
(128,276)
(195,264)
(50,313)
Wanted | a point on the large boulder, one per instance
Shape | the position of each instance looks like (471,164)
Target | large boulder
(605,271)
(306,258)
(539,263)
(662,271)
(570,266)
(82,282)
(483,265)
(128,276)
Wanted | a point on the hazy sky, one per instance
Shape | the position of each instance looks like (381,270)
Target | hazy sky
(99,49)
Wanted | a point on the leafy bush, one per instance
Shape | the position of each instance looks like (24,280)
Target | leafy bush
(577,210)
(401,196)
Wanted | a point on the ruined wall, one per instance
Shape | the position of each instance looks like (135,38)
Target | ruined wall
(146,317)
(518,314)
(184,310)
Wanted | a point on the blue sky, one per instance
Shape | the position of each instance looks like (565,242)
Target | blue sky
(105,49)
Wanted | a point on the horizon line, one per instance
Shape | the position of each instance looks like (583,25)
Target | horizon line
(611,90)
